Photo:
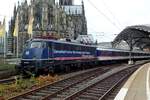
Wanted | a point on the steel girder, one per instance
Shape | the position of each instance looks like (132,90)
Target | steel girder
(135,36)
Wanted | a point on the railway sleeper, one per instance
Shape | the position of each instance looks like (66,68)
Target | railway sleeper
(77,86)
(92,94)
(56,98)
(34,97)
(99,93)
(23,99)
(88,97)
(45,91)
(52,90)
(65,93)
(40,94)
(98,89)
(95,92)
(75,89)
(81,99)
(61,95)
(60,84)
(56,87)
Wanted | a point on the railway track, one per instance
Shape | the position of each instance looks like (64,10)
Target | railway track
(102,89)
(8,80)
(7,73)
(93,85)
(111,94)
(60,86)
(11,79)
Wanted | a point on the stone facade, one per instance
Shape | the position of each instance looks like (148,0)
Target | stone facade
(66,2)
(63,20)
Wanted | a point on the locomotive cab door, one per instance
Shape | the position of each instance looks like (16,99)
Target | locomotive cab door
(50,50)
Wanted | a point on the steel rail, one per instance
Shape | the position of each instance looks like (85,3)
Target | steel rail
(100,92)
(54,84)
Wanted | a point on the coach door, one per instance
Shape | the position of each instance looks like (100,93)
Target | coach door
(50,50)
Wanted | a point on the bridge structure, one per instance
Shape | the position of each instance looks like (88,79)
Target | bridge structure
(137,36)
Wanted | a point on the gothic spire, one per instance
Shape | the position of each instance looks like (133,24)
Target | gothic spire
(83,12)
(15,10)
(26,2)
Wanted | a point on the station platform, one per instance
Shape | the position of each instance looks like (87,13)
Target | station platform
(137,86)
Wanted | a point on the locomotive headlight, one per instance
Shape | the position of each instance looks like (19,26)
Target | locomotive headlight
(27,53)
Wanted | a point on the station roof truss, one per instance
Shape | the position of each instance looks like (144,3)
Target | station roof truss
(135,36)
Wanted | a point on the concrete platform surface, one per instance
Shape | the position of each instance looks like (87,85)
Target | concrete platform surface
(138,85)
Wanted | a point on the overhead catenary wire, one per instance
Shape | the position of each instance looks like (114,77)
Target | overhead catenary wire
(107,18)
(97,33)
(91,26)
(114,17)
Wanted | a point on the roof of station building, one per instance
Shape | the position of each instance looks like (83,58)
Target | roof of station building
(138,34)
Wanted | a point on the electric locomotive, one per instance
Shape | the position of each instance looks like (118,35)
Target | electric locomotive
(51,55)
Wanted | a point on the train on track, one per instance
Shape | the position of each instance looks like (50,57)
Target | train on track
(52,55)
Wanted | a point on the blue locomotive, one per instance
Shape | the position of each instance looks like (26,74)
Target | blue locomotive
(49,55)
(52,55)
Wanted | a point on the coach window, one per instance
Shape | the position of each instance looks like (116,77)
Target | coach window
(67,47)
(71,48)
(80,48)
(49,45)
(59,46)
(56,46)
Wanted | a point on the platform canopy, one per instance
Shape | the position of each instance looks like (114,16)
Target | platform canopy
(135,36)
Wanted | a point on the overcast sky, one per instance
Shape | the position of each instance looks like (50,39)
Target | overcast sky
(105,18)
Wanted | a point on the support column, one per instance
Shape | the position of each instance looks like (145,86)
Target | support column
(130,62)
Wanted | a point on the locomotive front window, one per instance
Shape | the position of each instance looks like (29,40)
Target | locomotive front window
(36,44)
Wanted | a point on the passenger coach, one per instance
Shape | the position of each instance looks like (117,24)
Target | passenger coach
(118,54)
